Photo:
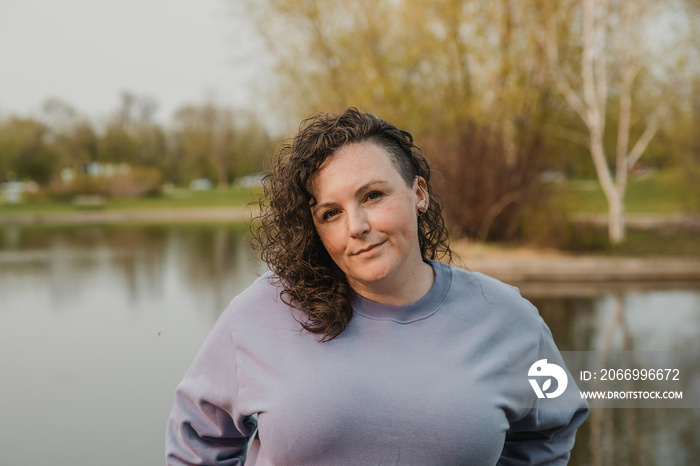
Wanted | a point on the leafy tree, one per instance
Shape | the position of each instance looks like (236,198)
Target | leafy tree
(211,140)
(480,84)
(24,151)
(118,145)
(72,136)
(465,77)
(132,136)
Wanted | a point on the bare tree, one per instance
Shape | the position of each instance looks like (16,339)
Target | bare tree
(219,141)
(614,70)
(72,135)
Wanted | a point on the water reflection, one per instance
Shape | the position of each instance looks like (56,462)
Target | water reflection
(619,320)
(210,263)
(98,324)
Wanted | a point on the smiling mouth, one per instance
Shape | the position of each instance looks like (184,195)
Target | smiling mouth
(368,249)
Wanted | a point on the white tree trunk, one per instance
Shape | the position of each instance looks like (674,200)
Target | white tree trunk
(590,100)
(616,219)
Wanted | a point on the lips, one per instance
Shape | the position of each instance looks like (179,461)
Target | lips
(369,249)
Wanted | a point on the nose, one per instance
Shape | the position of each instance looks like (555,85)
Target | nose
(358,223)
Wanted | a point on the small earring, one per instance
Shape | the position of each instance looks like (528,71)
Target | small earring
(420,212)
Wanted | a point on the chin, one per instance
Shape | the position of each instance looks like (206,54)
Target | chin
(369,276)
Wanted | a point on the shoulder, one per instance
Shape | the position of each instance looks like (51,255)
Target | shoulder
(494,312)
(488,297)
(265,290)
(491,288)
(259,305)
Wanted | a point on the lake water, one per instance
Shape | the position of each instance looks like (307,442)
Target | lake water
(99,323)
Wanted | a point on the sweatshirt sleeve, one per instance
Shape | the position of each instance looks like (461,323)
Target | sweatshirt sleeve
(205,426)
(544,435)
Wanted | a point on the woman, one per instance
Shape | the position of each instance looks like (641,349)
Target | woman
(359,347)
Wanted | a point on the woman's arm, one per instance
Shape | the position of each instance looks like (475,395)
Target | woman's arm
(543,437)
(545,433)
(204,426)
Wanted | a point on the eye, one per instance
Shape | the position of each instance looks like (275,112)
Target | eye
(374,195)
(330,213)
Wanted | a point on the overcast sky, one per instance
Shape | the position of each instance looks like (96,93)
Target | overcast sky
(86,52)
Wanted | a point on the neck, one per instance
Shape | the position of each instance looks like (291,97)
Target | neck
(396,291)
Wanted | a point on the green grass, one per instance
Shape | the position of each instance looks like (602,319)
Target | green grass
(656,194)
(658,242)
(184,198)
(653,194)
(178,199)
(649,195)
(663,241)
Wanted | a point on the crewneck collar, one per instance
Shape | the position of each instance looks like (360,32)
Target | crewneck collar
(407,313)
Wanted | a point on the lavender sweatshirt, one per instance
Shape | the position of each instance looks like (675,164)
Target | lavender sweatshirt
(420,384)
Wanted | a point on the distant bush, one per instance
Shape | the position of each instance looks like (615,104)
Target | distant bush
(683,180)
(136,182)
(551,226)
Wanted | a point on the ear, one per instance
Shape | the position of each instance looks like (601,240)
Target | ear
(420,188)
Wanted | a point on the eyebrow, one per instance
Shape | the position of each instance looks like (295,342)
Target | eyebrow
(365,187)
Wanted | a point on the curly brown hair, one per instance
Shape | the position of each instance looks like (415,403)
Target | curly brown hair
(285,233)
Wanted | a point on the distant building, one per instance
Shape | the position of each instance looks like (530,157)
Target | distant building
(250,181)
(201,184)
(12,192)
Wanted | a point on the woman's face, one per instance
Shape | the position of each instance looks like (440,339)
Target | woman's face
(365,215)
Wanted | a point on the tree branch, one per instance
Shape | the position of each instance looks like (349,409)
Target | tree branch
(649,132)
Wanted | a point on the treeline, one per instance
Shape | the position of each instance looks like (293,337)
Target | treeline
(130,154)
(499,92)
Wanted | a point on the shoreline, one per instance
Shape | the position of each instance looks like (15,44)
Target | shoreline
(196,214)
(243,213)
(519,265)
(542,267)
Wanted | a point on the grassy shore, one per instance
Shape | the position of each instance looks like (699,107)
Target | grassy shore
(653,194)
(177,199)
(649,196)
